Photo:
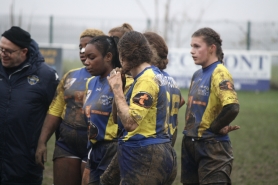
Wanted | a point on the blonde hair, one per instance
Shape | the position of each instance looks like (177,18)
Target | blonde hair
(91,33)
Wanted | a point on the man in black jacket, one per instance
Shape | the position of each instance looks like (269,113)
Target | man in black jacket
(27,87)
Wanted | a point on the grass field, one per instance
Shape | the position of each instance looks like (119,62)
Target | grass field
(255,144)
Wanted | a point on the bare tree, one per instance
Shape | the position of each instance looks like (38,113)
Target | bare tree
(20,19)
(196,23)
(146,13)
(156,16)
(12,13)
(30,23)
(166,20)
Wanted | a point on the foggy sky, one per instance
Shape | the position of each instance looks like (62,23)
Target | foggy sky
(239,10)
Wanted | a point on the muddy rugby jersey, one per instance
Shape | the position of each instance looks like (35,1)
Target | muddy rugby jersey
(210,90)
(148,106)
(175,99)
(98,107)
(68,102)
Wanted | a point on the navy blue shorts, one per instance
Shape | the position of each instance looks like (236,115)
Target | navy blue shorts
(100,157)
(72,142)
(152,164)
(111,175)
(206,161)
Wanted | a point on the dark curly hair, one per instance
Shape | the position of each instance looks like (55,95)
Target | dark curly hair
(211,37)
(159,49)
(134,49)
(107,44)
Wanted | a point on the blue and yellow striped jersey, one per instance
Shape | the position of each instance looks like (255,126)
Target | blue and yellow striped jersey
(174,102)
(148,106)
(68,102)
(211,89)
(98,107)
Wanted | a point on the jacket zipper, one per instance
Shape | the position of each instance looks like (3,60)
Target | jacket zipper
(18,70)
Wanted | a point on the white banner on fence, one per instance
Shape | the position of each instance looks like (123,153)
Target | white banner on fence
(251,70)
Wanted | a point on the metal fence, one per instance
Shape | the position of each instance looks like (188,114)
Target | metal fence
(63,32)
(66,31)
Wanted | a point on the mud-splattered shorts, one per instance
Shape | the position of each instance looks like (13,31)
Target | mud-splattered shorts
(152,164)
(111,175)
(206,161)
(72,142)
(100,157)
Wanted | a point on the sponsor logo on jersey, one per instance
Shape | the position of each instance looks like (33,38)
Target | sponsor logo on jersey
(33,79)
(143,99)
(226,85)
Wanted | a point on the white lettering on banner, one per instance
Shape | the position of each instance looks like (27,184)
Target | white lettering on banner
(247,67)
(248,64)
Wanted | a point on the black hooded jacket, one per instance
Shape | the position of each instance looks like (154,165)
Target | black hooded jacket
(25,96)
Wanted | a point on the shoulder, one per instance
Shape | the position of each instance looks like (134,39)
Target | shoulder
(221,67)
(47,72)
(80,69)
(90,81)
(221,70)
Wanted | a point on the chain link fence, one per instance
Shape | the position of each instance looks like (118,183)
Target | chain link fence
(66,31)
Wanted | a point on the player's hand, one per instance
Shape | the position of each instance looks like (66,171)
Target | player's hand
(227,129)
(117,69)
(41,155)
(115,80)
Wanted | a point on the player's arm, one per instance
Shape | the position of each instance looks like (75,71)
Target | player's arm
(182,102)
(223,88)
(226,116)
(50,124)
(115,82)
(114,106)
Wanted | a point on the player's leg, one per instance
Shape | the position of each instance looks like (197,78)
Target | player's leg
(67,171)
(86,173)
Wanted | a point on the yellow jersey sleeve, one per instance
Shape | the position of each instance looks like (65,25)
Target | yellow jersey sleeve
(222,85)
(57,105)
(143,99)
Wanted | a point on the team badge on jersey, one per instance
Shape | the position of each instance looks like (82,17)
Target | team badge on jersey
(33,79)
(92,130)
(106,100)
(143,99)
(226,85)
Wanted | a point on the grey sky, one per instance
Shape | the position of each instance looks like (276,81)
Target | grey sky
(240,10)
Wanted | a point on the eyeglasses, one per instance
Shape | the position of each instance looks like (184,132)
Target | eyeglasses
(7,52)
